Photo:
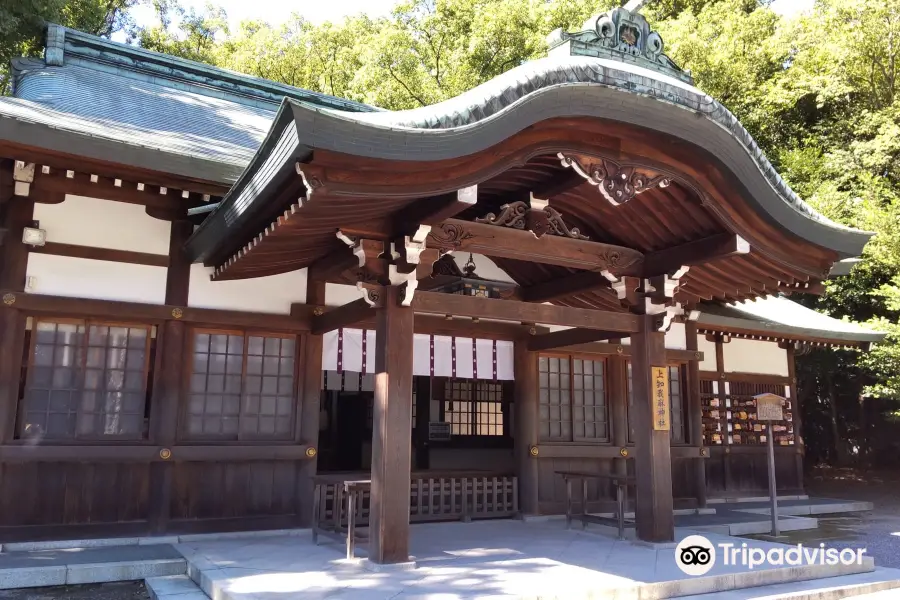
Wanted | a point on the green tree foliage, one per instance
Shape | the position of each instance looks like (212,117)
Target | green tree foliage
(23,24)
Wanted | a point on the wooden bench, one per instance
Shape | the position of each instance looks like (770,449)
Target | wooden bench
(621,482)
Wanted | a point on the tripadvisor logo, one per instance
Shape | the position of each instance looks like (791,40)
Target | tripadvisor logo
(695,555)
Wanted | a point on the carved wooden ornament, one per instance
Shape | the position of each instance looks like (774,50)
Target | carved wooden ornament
(618,183)
(540,219)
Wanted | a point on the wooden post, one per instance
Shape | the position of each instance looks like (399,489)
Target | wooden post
(165,403)
(392,422)
(617,378)
(727,482)
(309,398)
(695,414)
(423,416)
(13,266)
(653,463)
(12,334)
(525,364)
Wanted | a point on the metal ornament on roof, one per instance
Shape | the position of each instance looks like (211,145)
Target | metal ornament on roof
(620,34)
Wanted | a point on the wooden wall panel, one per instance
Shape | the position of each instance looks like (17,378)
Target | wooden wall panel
(51,493)
(233,490)
(745,473)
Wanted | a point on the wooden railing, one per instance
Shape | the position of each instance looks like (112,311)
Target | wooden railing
(433,496)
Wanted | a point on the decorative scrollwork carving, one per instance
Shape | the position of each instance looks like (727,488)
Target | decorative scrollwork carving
(450,234)
(511,215)
(539,220)
(559,227)
(618,183)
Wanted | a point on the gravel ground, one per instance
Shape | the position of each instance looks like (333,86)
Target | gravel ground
(127,590)
(878,532)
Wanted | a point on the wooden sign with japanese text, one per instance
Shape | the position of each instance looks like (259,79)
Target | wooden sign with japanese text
(660,397)
(769,407)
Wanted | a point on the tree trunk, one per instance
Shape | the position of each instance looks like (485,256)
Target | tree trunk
(841,452)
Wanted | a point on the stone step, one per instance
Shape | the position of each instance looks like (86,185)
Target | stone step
(88,565)
(174,587)
(880,584)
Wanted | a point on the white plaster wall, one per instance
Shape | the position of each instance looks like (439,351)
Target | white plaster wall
(754,356)
(480,459)
(96,279)
(103,224)
(338,295)
(709,354)
(273,294)
(676,337)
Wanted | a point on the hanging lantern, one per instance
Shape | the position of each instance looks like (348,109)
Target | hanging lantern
(465,281)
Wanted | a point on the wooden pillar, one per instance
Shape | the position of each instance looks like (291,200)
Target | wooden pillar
(525,364)
(309,398)
(654,516)
(423,416)
(170,360)
(14,263)
(727,482)
(12,335)
(617,378)
(695,414)
(392,422)
(18,214)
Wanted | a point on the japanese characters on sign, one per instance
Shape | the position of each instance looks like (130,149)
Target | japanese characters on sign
(660,397)
(769,407)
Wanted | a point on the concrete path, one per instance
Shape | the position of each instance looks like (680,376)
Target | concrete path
(477,560)
(88,565)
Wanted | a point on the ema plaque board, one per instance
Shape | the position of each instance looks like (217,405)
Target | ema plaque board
(769,407)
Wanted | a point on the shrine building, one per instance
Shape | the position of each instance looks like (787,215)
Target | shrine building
(219,292)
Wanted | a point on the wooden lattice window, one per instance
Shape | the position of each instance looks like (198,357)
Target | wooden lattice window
(573,403)
(676,404)
(555,399)
(473,407)
(241,386)
(86,380)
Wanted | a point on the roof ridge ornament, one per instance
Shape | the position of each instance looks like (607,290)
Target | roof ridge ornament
(621,34)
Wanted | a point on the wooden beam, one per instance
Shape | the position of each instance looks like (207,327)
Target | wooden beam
(342,316)
(516,244)
(51,185)
(431,211)
(114,309)
(567,337)
(105,254)
(392,422)
(576,283)
(436,303)
(707,249)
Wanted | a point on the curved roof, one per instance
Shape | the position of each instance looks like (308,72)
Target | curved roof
(777,315)
(575,86)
